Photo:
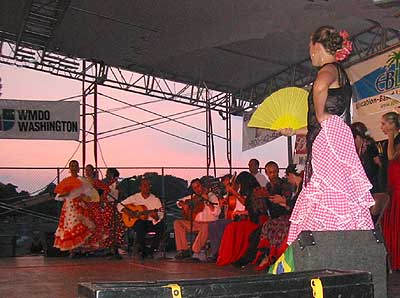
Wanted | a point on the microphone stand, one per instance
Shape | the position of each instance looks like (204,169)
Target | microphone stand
(164,237)
(113,247)
(192,204)
(116,201)
(191,207)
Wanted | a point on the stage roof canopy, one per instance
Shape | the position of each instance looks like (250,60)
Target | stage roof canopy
(228,44)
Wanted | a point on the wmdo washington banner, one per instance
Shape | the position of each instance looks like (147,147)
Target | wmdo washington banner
(376,89)
(46,120)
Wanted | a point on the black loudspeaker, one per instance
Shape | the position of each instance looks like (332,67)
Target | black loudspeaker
(344,250)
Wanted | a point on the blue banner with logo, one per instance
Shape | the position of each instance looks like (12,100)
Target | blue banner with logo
(33,119)
(376,89)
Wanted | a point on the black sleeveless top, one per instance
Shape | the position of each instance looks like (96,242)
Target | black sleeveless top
(337,103)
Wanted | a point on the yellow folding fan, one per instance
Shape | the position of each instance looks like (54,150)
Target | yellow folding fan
(285,108)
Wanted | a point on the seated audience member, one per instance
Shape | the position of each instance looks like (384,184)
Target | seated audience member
(273,235)
(148,219)
(254,166)
(199,209)
(276,186)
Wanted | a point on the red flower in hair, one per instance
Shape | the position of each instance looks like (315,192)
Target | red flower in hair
(344,34)
(347,47)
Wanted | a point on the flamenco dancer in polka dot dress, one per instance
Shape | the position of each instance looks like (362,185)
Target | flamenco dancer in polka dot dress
(335,195)
(75,227)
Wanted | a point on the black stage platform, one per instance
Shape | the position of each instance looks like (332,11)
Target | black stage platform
(40,277)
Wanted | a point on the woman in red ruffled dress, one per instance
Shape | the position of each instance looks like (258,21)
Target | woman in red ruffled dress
(96,242)
(109,227)
(75,226)
(390,126)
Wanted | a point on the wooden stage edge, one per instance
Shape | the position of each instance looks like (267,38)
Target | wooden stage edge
(41,277)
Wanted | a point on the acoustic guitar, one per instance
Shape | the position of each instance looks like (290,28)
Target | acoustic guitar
(193,206)
(133,212)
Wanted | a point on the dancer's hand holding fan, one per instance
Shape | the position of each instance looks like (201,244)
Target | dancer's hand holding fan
(285,110)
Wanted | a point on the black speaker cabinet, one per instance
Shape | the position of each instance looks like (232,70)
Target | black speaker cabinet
(344,250)
(324,283)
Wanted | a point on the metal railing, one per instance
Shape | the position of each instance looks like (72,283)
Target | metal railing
(36,179)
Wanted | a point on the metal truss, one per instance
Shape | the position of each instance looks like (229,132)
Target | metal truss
(29,49)
(113,77)
(38,26)
(365,45)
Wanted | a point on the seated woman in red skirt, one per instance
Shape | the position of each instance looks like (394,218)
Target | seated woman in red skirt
(235,239)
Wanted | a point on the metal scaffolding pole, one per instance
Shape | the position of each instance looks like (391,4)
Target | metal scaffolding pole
(95,119)
(208,139)
(89,88)
(228,132)
(290,150)
(210,147)
(83,114)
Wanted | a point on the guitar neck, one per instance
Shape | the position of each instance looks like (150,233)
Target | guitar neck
(149,211)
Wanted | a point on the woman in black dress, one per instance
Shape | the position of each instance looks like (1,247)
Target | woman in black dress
(368,152)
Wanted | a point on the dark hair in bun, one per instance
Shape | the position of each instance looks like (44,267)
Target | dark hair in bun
(329,38)
(359,129)
(392,117)
(292,169)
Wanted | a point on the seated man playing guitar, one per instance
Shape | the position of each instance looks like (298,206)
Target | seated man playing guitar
(143,212)
(199,209)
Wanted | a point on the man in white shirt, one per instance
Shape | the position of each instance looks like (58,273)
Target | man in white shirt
(254,166)
(153,222)
(190,204)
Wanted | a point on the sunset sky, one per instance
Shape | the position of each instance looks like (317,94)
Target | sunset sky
(142,148)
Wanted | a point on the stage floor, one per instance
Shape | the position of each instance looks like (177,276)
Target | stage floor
(40,277)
